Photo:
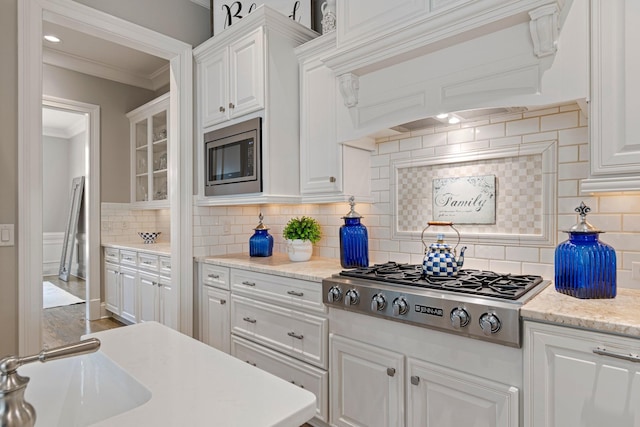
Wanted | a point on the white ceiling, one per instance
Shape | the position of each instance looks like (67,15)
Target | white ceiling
(94,56)
(62,124)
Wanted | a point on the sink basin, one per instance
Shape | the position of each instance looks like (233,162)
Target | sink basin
(80,391)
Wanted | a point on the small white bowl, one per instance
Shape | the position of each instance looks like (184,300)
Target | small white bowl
(149,237)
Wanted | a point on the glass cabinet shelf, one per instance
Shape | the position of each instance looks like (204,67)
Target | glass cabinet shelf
(150,153)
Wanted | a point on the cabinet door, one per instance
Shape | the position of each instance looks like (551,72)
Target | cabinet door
(216,329)
(438,396)
(567,384)
(112,287)
(367,385)
(167,310)
(128,278)
(213,80)
(319,154)
(246,74)
(615,90)
(147,297)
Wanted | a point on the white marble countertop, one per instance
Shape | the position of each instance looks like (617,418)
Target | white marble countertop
(193,384)
(153,248)
(314,270)
(619,315)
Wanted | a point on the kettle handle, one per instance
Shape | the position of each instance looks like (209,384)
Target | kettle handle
(443,224)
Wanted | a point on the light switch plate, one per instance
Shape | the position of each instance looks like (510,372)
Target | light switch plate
(7,235)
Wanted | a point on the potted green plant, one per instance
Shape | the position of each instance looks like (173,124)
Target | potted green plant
(301,233)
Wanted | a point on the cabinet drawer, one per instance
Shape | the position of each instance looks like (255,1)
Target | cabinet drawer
(165,265)
(112,255)
(300,335)
(215,275)
(299,373)
(295,293)
(148,261)
(128,258)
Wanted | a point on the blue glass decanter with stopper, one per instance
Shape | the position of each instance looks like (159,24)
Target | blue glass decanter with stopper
(354,240)
(261,243)
(585,267)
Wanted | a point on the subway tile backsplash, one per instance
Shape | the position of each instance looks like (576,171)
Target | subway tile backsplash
(222,230)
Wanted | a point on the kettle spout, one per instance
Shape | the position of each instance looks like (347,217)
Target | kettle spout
(460,259)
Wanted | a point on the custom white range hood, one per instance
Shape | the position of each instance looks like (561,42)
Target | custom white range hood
(398,62)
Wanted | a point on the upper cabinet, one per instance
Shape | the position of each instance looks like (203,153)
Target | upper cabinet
(329,171)
(615,97)
(231,79)
(250,70)
(150,153)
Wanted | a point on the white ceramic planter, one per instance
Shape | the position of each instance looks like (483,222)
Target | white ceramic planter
(299,250)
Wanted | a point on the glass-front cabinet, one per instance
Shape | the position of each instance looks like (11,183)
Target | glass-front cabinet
(150,153)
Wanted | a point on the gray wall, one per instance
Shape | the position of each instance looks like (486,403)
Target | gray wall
(115,100)
(8,173)
(163,16)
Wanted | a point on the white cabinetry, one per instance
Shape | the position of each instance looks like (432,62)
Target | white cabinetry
(138,287)
(368,389)
(215,329)
(150,153)
(367,385)
(279,324)
(231,79)
(247,71)
(330,171)
(569,384)
(615,97)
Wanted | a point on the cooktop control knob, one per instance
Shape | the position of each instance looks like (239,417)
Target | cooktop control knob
(351,297)
(400,306)
(489,323)
(459,318)
(378,303)
(334,294)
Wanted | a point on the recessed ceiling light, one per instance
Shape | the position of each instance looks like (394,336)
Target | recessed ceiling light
(454,120)
(51,38)
(442,116)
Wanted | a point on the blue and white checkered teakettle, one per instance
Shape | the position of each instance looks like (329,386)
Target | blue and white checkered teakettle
(439,259)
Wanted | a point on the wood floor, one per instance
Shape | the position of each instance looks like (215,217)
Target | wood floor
(64,325)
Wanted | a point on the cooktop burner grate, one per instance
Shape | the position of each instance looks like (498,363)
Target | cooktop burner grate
(475,282)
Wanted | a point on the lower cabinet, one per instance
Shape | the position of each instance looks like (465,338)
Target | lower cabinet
(301,374)
(120,291)
(368,386)
(578,378)
(215,322)
(155,292)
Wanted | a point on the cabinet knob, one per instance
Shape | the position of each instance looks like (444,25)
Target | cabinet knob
(332,179)
(391,371)
(222,110)
(415,380)
(231,105)
(223,301)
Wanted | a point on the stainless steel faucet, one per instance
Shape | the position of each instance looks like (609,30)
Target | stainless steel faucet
(14,410)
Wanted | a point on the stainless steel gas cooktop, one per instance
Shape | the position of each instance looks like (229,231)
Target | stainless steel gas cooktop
(475,303)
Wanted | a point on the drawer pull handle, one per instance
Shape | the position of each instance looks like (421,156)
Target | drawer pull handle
(214,276)
(294,335)
(629,357)
(391,371)
(247,283)
(415,380)
(223,301)
(168,266)
(128,259)
(147,262)
(250,363)
(294,293)
(294,383)
(248,319)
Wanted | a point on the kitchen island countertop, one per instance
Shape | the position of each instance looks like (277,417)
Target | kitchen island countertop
(316,269)
(620,315)
(193,384)
(153,248)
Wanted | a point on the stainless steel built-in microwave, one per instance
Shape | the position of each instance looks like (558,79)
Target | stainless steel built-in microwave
(232,159)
